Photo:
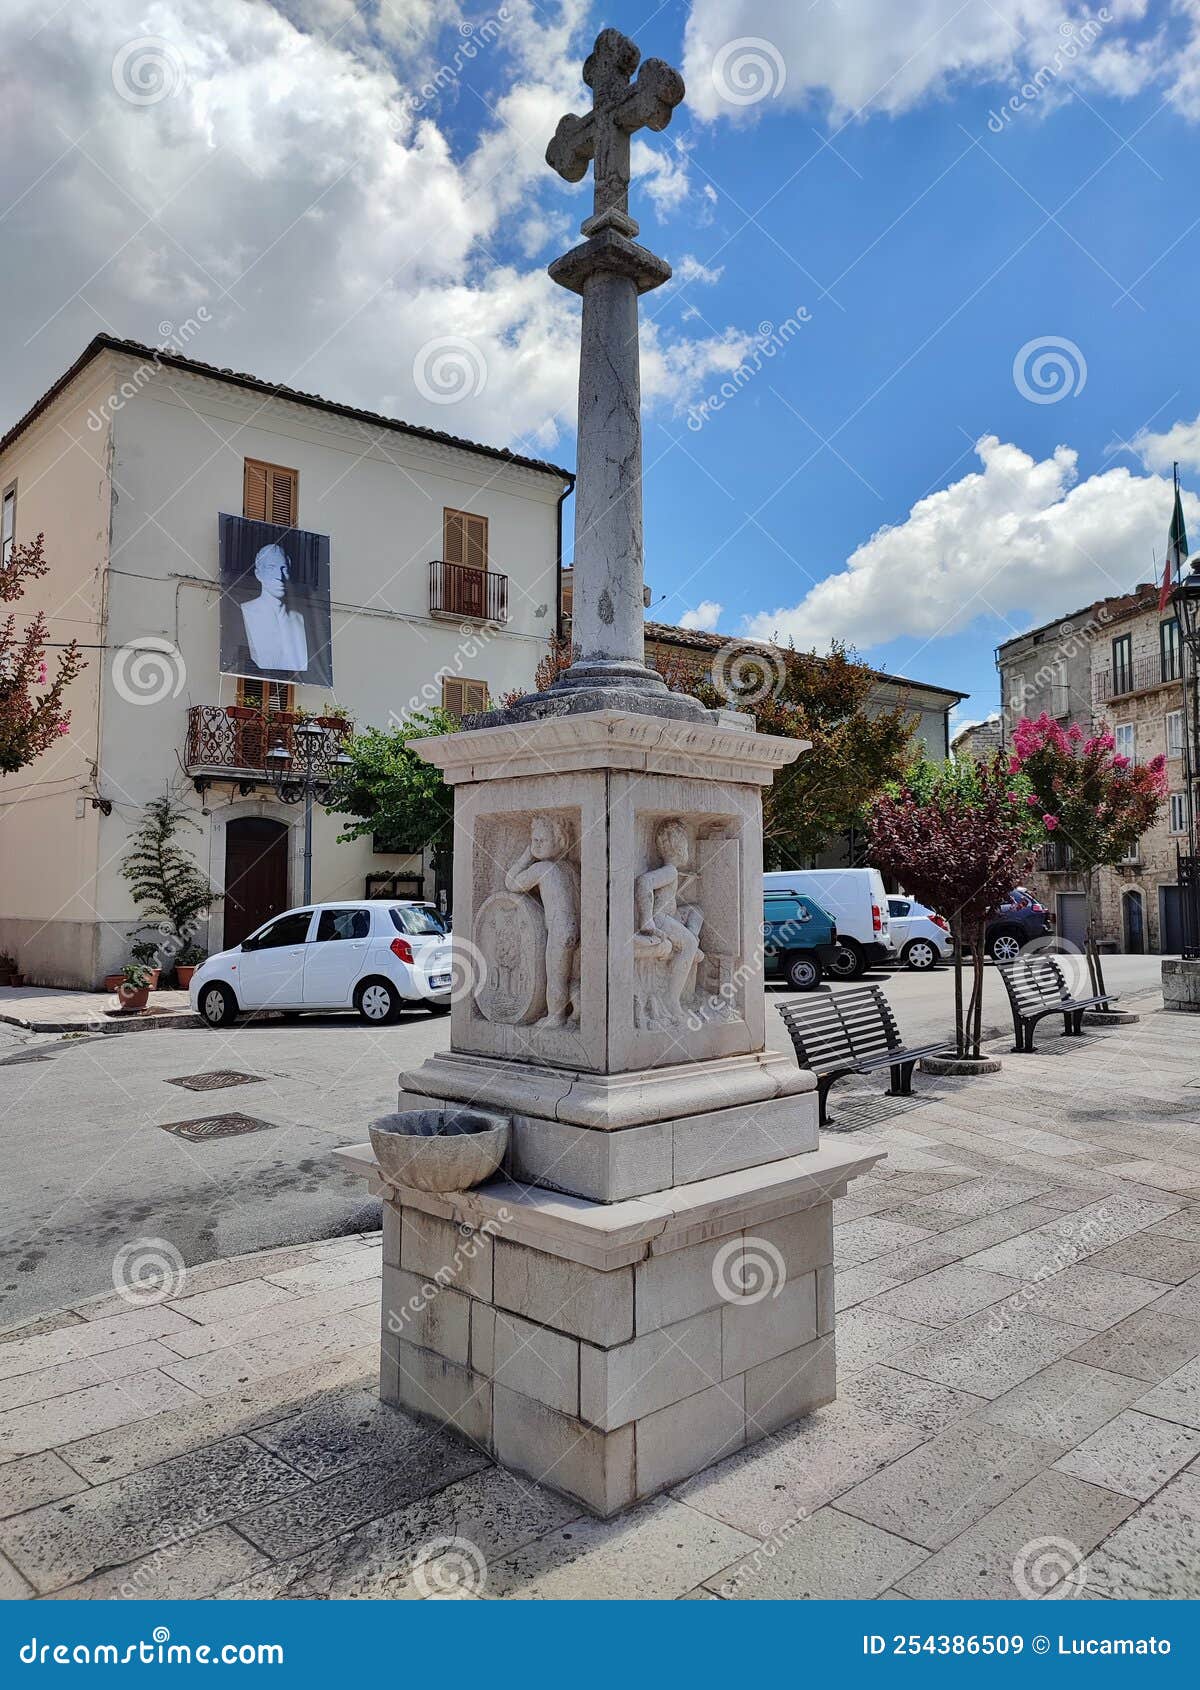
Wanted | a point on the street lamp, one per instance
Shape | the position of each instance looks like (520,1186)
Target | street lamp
(1185,601)
(305,774)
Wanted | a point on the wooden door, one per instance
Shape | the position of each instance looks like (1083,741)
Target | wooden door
(256,875)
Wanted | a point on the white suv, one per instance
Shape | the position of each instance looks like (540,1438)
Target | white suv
(373,955)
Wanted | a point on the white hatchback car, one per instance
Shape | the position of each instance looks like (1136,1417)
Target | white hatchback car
(373,955)
(922,938)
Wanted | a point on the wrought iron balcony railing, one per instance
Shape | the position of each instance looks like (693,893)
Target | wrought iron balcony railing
(1138,675)
(1056,854)
(231,740)
(457,589)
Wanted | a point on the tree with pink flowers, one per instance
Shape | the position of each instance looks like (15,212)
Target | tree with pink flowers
(32,716)
(1096,800)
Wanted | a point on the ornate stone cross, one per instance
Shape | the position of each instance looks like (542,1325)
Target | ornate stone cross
(619,108)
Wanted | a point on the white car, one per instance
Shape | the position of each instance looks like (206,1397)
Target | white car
(922,938)
(373,955)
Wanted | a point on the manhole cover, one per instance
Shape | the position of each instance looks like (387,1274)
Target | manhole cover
(217,1080)
(216,1126)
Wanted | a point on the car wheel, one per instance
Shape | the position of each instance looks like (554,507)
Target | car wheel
(919,954)
(1004,947)
(847,961)
(803,972)
(217,1005)
(438,1006)
(378,1002)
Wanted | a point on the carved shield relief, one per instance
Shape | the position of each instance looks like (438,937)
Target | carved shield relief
(510,931)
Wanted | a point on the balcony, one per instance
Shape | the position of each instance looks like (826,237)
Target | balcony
(1143,674)
(231,741)
(458,590)
(1055,856)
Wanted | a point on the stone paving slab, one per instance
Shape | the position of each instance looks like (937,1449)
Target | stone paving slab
(1019,1361)
(45,1009)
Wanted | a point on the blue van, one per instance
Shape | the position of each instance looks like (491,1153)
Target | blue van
(799,939)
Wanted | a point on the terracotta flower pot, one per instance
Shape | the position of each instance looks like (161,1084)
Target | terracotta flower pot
(113,982)
(134,999)
(183,974)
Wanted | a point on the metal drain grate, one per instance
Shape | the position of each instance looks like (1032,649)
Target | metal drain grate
(216,1126)
(217,1080)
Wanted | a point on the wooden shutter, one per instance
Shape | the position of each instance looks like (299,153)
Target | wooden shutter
(452,696)
(463,698)
(267,696)
(270,493)
(474,696)
(465,538)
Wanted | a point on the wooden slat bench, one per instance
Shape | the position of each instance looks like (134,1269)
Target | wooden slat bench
(1036,988)
(852,1032)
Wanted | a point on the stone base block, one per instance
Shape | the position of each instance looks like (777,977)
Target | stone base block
(611,1350)
(1110,1017)
(1181,983)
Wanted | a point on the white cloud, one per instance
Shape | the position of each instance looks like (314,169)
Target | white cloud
(690,269)
(661,173)
(1178,444)
(1019,538)
(746,57)
(298,178)
(704,618)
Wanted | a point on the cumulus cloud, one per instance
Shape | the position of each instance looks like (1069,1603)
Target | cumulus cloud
(744,57)
(704,618)
(308,172)
(1178,444)
(1024,539)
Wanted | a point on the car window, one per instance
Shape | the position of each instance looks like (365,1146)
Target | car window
(344,924)
(290,929)
(414,918)
(897,907)
(780,909)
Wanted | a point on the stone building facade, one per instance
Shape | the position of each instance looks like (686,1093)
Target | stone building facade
(1118,663)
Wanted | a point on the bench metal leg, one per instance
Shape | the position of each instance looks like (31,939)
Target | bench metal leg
(901,1085)
(823,1086)
(1027,1028)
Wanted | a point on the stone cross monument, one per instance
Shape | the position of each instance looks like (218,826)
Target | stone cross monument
(596,1318)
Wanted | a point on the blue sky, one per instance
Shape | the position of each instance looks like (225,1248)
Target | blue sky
(858,187)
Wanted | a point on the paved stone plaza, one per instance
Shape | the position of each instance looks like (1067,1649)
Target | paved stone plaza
(1018,1410)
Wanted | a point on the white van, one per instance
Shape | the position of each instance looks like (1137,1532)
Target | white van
(857,901)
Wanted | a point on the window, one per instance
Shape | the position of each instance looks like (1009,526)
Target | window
(463,698)
(1059,705)
(897,907)
(8,525)
(465,539)
(1125,735)
(1175,734)
(415,919)
(344,924)
(1178,812)
(1122,664)
(270,697)
(270,493)
(1016,695)
(290,929)
(1170,650)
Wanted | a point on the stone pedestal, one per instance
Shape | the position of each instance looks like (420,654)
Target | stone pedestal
(611,1350)
(1181,983)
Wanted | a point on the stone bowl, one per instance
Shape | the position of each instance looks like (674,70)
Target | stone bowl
(439,1149)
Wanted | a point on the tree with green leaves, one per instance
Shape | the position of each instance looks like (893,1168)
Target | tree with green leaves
(390,791)
(170,889)
(32,713)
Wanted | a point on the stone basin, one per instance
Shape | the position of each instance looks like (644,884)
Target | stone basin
(439,1149)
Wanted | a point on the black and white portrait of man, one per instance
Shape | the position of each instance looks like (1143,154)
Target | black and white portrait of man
(275,602)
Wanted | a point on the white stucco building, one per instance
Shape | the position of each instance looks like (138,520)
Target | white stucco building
(442,587)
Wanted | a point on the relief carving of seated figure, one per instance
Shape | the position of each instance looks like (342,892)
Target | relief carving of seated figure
(667,929)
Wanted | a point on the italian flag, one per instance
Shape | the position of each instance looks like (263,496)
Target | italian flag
(1177,549)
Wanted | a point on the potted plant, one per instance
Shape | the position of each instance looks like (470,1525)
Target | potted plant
(186,964)
(167,884)
(9,975)
(145,955)
(134,990)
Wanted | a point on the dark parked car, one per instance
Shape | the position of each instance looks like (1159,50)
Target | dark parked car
(799,939)
(1019,919)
